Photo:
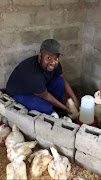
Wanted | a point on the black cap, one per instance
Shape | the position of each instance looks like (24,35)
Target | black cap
(51,46)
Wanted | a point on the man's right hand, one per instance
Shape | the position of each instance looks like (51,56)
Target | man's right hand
(68,110)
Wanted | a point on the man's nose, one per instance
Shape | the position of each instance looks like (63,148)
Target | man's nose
(53,61)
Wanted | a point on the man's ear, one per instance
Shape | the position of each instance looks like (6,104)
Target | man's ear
(39,57)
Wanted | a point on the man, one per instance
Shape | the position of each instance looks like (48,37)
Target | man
(38,82)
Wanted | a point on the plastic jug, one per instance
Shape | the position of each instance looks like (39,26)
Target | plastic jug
(87,109)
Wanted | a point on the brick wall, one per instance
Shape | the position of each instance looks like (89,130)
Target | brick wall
(91,69)
(24,24)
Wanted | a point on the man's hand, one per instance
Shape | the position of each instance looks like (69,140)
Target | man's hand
(77,104)
(68,110)
(70,92)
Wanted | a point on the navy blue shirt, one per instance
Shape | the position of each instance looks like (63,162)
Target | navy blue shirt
(29,77)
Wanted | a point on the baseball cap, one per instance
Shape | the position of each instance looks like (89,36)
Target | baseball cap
(51,46)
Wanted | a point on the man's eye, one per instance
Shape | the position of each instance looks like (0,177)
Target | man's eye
(49,58)
(56,59)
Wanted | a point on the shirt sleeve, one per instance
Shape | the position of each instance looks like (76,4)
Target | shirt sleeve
(58,70)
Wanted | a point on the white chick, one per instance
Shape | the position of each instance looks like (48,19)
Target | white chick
(4,132)
(0,119)
(67,119)
(73,109)
(4,120)
(55,115)
(78,178)
(16,169)
(14,137)
(97,97)
(24,148)
(60,167)
(40,162)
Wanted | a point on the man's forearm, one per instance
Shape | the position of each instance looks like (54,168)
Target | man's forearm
(48,97)
(70,92)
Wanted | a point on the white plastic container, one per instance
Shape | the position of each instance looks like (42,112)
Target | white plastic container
(87,109)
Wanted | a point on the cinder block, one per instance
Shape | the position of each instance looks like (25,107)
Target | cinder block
(11,59)
(89,31)
(63,151)
(30,2)
(76,15)
(56,130)
(90,81)
(98,113)
(88,49)
(9,40)
(70,33)
(4,3)
(70,153)
(73,51)
(88,162)
(24,120)
(2,73)
(30,37)
(44,127)
(5,101)
(88,140)
(93,14)
(49,17)
(65,133)
(88,66)
(34,113)
(44,143)
(63,1)
(17,108)
(22,19)
(97,70)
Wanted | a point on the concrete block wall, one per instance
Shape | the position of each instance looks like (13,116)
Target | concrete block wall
(91,45)
(79,144)
(50,130)
(88,145)
(46,129)
(25,24)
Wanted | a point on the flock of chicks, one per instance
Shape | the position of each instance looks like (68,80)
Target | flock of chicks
(18,151)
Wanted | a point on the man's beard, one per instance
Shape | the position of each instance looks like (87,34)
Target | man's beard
(43,69)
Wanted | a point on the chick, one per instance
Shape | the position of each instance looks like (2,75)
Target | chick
(4,120)
(24,148)
(67,119)
(59,167)
(40,162)
(73,109)
(4,132)
(55,115)
(97,96)
(14,137)
(16,169)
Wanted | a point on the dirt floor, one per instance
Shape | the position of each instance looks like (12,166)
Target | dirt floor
(76,170)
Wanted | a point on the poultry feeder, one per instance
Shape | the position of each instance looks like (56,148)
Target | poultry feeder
(87,111)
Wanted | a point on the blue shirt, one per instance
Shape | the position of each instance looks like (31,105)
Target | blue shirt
(29,77)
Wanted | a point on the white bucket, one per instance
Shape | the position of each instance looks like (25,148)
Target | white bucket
(87,109)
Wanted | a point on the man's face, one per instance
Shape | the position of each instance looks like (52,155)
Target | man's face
(48,61)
